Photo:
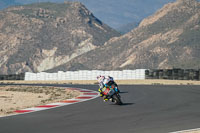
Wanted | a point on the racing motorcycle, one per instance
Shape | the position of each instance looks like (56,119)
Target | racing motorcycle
(112,93)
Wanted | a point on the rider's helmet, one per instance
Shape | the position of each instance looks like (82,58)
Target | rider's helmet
(100,78)
(106,80)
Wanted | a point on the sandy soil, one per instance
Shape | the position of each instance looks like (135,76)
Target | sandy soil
(194,131)
(19,97)
(130,82)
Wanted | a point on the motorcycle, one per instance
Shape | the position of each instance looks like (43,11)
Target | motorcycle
(112,94)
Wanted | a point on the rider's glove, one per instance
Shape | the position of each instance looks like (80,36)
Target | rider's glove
(100,91)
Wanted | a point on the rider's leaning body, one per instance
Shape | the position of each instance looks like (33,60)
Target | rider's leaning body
(106,82)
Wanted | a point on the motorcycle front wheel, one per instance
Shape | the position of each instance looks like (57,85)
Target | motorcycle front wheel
(117,100)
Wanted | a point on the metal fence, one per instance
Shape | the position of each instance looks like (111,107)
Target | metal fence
(173,74)
(13,77)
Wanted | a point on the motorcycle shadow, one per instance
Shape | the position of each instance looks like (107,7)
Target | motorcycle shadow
(126,104)
(123,92)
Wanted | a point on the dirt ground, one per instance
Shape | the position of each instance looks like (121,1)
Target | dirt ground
(193,131)
(19,97)
(125,82)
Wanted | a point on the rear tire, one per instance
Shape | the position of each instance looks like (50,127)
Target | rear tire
(117,100)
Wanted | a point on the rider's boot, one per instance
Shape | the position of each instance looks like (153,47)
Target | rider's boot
(105,99)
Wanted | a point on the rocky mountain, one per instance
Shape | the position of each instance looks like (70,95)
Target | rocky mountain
(115,13)
(169,38)
(38,37)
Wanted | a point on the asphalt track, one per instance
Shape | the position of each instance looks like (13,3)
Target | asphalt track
(146,109)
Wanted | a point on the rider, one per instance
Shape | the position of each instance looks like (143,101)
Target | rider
(106,82)
(100,80)
(110,82)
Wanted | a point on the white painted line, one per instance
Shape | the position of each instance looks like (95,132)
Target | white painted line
(189,130)
(59,104)
(35,109)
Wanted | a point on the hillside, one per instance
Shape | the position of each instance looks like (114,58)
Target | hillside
(169,38)
(38,37)
(115,13)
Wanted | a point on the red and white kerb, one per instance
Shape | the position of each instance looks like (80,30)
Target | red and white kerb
(86,95)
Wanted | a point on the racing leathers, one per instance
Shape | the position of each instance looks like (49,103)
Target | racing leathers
(107,82)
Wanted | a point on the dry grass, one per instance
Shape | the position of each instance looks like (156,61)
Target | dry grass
(19,97)
(129,82)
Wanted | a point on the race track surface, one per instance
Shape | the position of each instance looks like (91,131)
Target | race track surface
(146,109)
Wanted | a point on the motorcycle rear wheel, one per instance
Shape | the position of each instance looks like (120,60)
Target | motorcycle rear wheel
(117,100)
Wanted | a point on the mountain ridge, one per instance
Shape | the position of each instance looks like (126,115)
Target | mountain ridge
(38,37)
(116,13)
(170,40)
